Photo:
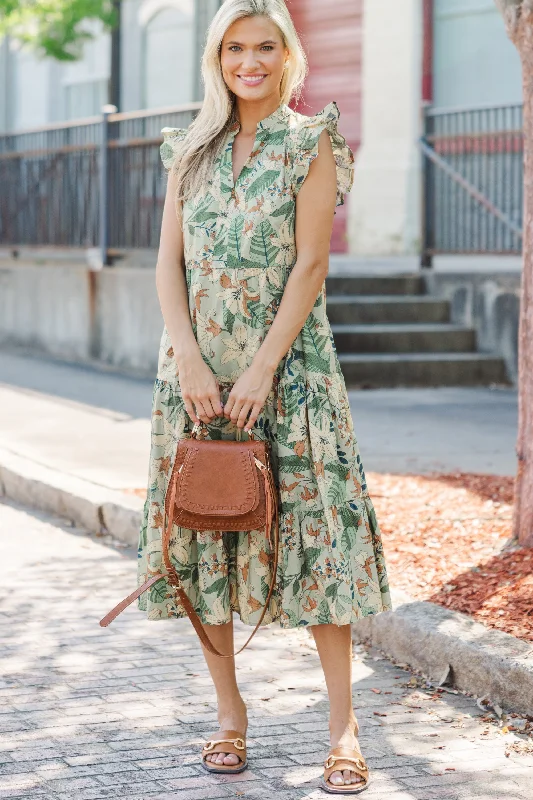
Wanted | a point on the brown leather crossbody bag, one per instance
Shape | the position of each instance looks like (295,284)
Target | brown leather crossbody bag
(218,485)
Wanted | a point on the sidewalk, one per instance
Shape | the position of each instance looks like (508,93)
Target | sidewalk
(75,441)
(90,713)
(95,425)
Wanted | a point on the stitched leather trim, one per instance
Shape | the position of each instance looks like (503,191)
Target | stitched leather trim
(237,480)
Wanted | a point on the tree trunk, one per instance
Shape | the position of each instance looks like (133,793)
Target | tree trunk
(518,15)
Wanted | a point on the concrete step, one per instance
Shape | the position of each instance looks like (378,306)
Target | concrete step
(391,370)
(404,338)
(375,308)
(389,284)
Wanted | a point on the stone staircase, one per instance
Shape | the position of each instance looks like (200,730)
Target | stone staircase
(389,333)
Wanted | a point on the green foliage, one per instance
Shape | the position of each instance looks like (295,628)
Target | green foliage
(234,240)
(261,248)
(55,28)
(228,319)
(158,592)
(292,464)
(336,493)
(261,183)
(218,586)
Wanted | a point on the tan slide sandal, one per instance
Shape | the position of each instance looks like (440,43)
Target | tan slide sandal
(341,758)
(225,742)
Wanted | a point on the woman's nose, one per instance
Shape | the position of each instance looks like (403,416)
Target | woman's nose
(249,61)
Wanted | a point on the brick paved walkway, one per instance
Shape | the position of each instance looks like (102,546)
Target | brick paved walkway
(93,713)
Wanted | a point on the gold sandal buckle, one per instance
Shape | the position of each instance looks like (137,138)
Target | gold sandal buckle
(238,743)
(332,760)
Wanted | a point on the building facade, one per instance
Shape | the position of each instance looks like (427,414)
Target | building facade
(379,60)
(450,53)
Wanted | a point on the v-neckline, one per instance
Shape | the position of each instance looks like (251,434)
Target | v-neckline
(234,180)
(262,127)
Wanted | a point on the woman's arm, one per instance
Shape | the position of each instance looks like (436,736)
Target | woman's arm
(315,209)
(198,386)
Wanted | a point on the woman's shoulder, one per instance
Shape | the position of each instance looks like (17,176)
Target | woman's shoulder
(169,147)
(299,123)
(305,132)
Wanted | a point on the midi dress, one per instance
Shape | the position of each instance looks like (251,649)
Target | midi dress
(239,250)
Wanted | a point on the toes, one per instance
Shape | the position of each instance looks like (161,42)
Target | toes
(355,777)
(346,776)
(336,778)
(229,759)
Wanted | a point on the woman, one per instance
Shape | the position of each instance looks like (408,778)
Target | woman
(251,196)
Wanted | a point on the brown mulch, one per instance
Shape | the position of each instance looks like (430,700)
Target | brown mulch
(447,539)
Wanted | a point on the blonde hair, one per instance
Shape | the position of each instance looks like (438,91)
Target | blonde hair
(199,148)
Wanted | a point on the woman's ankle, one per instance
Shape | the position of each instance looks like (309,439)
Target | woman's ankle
(342,725)
(232,713)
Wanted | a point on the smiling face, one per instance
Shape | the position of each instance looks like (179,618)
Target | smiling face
(252,58)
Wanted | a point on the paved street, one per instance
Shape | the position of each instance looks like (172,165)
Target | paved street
(92,713)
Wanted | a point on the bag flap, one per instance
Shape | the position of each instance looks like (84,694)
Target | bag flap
(218,478)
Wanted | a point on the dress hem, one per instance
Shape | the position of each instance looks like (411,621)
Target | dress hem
(277,619)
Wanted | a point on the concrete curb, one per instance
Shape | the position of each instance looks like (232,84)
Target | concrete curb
(438,642)
(425,636)
(93,507)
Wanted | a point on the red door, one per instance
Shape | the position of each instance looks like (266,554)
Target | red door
(331,34)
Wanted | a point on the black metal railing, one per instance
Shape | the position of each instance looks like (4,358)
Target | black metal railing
(473,181)
(52,188)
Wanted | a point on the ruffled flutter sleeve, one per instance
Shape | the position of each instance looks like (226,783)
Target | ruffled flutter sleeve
(172,137)
(306,150)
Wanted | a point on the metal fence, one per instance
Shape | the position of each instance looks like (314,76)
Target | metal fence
(473,181)
(54,191)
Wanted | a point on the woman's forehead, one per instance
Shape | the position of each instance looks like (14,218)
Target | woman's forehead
(253,31)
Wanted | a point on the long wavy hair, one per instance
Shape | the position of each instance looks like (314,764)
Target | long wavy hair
(200,147)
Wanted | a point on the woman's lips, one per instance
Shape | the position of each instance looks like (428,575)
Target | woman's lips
(251,80)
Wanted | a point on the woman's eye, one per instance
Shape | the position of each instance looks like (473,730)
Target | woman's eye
(234,47)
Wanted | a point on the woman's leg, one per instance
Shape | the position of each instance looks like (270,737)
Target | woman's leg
(231,707)
(334,645)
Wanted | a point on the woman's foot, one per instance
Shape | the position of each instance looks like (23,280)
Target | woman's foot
(234,719)
(344,736)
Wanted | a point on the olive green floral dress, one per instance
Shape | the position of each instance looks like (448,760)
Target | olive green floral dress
(239,248)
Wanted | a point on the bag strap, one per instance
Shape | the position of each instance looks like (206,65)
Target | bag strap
(272,521)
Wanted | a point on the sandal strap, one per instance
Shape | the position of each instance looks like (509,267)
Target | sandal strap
(341,758)
(226,742)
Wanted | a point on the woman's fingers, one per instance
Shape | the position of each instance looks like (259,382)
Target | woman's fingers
(208,405)
(243,413)
(228,408)
(216,403)
(189,408)
(208,408)
(201,412)
(234,406)
(256,410)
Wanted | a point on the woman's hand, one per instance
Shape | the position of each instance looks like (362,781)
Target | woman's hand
(199,389)
(248,395)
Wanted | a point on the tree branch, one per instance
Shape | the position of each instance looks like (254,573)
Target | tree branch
(55,28)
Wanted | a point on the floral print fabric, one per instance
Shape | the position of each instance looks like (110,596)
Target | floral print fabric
(239,247)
